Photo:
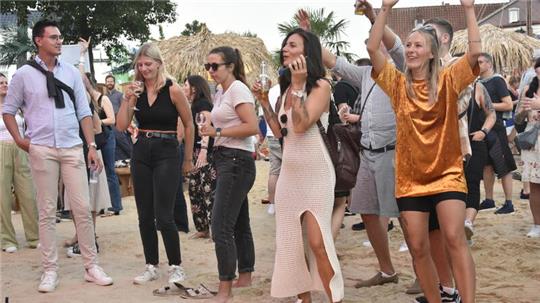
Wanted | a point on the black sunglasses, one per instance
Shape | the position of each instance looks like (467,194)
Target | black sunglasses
(213,66)
(283,130)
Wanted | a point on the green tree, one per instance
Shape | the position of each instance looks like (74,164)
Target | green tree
(193,28)
(15,47)
(16,44)
(327,28)
(105,21)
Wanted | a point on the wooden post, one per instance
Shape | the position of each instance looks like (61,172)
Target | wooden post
(529,18)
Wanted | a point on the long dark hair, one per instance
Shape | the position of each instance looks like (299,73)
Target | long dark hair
(312,52)
(202,90)
(533,87)
(232,56)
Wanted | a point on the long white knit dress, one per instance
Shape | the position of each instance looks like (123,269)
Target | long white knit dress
(305,184)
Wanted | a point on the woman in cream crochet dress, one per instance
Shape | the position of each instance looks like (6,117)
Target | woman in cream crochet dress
(305,254)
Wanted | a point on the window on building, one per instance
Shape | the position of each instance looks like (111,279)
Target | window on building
(513,15)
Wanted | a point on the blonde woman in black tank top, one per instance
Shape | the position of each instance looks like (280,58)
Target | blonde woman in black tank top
(155,159)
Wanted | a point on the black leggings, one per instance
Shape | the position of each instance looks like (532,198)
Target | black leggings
(474,171)
(155,169)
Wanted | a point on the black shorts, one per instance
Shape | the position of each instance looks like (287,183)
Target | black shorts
(428,204)
(341,194)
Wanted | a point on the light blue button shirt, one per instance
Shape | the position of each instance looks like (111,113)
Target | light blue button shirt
(48,125)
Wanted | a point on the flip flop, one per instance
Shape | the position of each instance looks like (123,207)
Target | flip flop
(202,292)
(176,289)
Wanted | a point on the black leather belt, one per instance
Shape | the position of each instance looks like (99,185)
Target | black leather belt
(158,135)
(380,150)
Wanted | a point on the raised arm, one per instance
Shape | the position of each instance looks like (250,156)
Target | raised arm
(84,49)
(302,17)
(378,59)
(473,33)
(269,114)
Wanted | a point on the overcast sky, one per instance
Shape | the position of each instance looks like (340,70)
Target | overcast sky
(262,16)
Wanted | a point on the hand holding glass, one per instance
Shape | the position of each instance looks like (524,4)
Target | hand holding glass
(138,89)
(200,119)
(342,111)
(94,175)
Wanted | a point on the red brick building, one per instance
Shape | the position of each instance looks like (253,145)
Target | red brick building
(404,19)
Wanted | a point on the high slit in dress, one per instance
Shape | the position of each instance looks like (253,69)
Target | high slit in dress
(305,184)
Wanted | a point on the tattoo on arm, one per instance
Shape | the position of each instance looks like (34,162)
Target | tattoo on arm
(488,105)
(300,112)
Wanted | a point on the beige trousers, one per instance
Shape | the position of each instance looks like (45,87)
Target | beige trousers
(14,172)
(48,164)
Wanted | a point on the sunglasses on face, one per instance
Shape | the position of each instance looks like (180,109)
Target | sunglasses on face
(213,66)
(283,118)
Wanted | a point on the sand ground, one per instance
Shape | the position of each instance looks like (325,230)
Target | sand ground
(508,263)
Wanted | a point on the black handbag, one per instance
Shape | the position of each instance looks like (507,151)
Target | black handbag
(527,139)
(343,144)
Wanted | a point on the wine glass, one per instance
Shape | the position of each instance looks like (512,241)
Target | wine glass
(139,88)
(342,111)
(200,119)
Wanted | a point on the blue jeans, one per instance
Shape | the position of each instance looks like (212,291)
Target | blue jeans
(231,229)
(108,153)
(124,146)
(180,208)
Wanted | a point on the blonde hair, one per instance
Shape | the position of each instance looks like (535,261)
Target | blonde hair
(432,77)
(151,51)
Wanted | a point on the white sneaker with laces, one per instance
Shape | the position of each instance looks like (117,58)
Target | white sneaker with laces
(10,249)
(271,210)
(469,229)
(95,274)
(49,281)
(534,232)
(150,274)
(176,274)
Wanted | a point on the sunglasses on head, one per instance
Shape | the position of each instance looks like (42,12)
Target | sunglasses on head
(213,66)
(283,118)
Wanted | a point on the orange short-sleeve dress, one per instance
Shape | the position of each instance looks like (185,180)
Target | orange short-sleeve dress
(428,152)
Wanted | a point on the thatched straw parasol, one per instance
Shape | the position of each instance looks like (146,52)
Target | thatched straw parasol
(511,51)
(186,56)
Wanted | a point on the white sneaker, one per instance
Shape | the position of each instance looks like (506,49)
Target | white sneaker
(150,274)
(10,249)
(271,210)
(403,247)
(534,232)
(96,275)
(176,274)
(469,229)
(49,281)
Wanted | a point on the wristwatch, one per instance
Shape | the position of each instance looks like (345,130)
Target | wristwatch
(92,144)
(218,132)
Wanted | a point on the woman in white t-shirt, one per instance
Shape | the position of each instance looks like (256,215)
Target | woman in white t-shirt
(234,123)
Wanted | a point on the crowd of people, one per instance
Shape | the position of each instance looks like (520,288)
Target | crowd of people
(60,128)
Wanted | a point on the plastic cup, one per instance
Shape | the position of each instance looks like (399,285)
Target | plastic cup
(94,175)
